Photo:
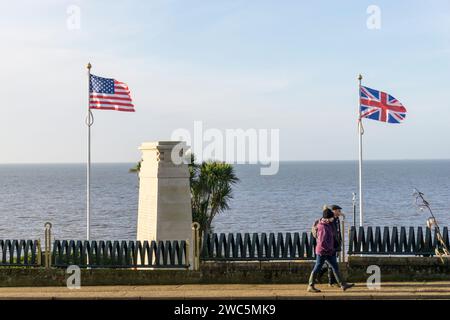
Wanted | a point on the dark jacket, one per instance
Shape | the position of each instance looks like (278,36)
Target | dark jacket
(337,227)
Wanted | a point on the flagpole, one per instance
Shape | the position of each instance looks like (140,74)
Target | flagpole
(360,134)
(89,123)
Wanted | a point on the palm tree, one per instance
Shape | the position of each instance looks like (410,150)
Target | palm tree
(136,168)
(211,191)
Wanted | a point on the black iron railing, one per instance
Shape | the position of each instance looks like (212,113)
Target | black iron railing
(217,247)
(246,247)
(120,254)
(23,253)
(392,241)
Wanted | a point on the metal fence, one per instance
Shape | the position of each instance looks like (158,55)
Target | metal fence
(20,253)
(93,254)
(214,247)
(246,247)
(391,241)
(120,254)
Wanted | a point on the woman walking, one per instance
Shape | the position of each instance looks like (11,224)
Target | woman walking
(326,251)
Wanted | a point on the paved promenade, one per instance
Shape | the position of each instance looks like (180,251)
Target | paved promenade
(425,290)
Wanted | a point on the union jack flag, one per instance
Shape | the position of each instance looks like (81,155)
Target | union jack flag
(380,106)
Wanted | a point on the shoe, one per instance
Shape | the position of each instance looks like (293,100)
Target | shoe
(332,285)
(346,286)
(312,288)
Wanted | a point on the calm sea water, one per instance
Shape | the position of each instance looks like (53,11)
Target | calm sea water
(30,195)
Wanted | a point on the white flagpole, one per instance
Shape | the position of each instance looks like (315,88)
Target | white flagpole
(360,134)
(89,123)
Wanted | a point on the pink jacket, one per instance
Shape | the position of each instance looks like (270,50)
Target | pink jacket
(325,238)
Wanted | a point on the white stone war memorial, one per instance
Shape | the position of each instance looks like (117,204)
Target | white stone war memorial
(164,194)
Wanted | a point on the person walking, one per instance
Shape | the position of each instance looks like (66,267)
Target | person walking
(337,213)
(326,251)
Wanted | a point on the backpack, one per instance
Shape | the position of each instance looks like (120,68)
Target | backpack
(314,228)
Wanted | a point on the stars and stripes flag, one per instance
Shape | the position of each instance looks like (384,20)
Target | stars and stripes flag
(109,94)
(380,106)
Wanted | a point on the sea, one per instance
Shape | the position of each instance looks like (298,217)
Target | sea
(290,201)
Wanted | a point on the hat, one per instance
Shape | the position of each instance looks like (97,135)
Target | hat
(335,207)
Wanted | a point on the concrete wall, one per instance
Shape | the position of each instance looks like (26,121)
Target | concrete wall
(392,269)
(400,268)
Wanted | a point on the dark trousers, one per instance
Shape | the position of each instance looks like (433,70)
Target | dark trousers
(326,268)
(331,261)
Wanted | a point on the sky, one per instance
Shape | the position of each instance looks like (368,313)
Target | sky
(287,65)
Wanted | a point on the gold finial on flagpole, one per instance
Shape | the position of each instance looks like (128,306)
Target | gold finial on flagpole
(360,77)
(89,66)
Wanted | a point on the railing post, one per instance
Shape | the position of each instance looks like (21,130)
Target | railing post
(343,240)
(39,253)
(196,246)
(47,245)
(188,248)
(349,240)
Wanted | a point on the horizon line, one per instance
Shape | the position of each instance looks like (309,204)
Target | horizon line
(240,163)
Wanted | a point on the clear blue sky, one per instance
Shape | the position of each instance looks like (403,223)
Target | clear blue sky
(288,65)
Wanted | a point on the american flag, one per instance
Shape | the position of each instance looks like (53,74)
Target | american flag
(109,94)
(380,106)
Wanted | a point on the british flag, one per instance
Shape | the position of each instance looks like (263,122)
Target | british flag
(380,106)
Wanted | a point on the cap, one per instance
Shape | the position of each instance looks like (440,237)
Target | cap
(335,207)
